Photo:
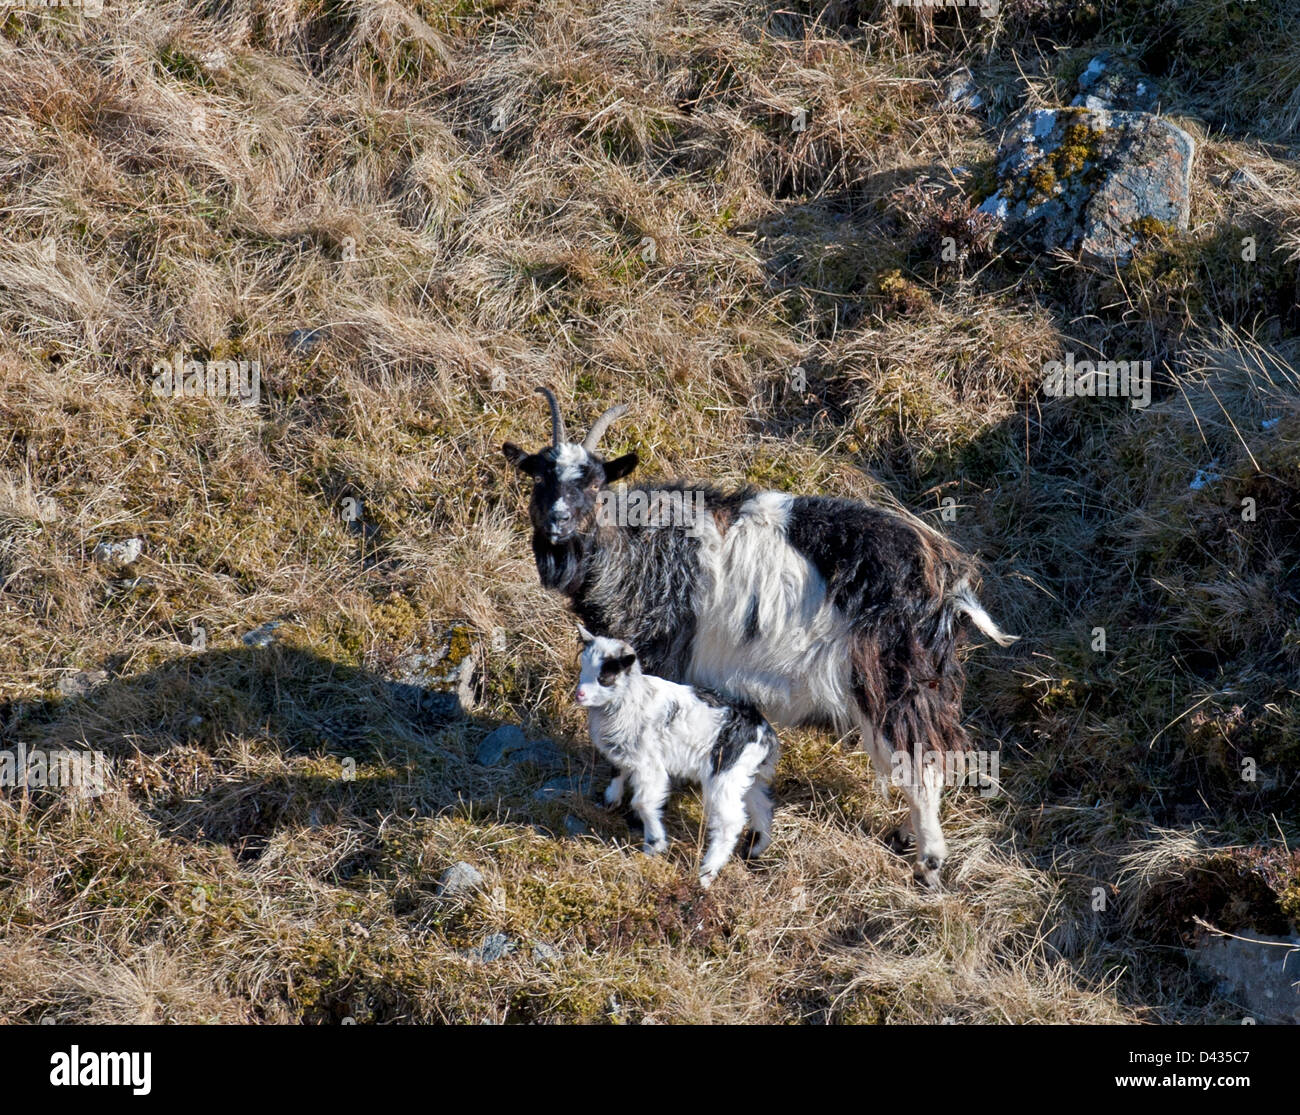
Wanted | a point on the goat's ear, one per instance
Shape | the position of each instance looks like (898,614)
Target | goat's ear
(620,467)
(586,636)
(524,462)
(624,662)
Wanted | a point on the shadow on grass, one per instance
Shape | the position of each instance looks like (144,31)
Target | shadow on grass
(233,745)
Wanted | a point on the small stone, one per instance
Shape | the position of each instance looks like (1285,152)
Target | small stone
(961,88)
(305,341)
(118,554)
(498,743)
(1242,179)
(1107,83)
(543,753)
(80,684)
(1092,73)
(561,787)
(960,85)
(262,636)
(546,954)
(460,880)
(494,947)
(575,826)
(215,61)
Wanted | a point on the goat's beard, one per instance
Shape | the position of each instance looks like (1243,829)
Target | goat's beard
(560,565)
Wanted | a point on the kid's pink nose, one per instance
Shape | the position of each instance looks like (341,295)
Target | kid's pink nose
(581,695)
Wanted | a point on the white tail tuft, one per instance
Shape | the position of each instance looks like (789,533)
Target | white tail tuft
(967,603)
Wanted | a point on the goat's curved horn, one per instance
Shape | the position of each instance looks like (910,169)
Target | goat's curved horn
(558,436)
(602,424)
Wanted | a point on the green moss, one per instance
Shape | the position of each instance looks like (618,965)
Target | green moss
(1151,230)
(1178,279)
(1074,163)
(900,295)
(183,66)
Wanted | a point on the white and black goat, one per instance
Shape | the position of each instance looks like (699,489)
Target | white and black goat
(654,730)
(816,610)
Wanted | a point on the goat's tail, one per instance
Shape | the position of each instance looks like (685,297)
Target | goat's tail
(965,601)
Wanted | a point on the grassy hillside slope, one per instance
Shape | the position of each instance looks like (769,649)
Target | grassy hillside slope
(458,201)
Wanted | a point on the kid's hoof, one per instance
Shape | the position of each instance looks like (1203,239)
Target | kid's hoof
(705,880)
(654,849)
(926,872)
(900,840)
(754,844)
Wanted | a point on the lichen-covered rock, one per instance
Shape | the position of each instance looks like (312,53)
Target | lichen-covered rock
(262,636)
(441,683)
(1092,180)
(962,89)
(1107,83)
(81,684)
(546,954)
(118,554)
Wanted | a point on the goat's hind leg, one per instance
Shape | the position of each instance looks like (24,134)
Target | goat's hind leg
(901,838)
(727,803)
(758,802)
(724,802)
(923,787)
(758,806)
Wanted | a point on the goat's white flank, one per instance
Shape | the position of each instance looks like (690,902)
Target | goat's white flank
(797,667)
(654,730)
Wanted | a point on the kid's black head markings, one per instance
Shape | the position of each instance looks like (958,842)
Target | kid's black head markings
(610,668)
(567,476)
(604,662)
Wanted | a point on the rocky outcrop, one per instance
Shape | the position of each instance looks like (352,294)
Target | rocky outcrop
(1091,179)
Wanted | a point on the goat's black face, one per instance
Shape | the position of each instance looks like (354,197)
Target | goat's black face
(566,486)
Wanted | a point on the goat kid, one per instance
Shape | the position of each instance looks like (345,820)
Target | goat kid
(654,730)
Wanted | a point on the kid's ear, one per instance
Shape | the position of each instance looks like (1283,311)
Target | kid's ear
(586,636)
(524,462)
(624,662)
(620,467)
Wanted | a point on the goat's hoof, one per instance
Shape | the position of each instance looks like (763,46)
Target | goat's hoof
(925,872)
(707,879)
(754,844)
(656,848)
(900,840)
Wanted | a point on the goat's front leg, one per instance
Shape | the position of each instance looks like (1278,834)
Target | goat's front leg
(650,791)
(614,791)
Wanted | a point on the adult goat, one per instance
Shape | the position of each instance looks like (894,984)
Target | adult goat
(816,610)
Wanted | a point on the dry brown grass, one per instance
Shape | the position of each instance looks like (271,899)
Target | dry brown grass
(460,198)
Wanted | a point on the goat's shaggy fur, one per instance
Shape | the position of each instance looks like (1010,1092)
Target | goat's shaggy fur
(816,610)
(654,730)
